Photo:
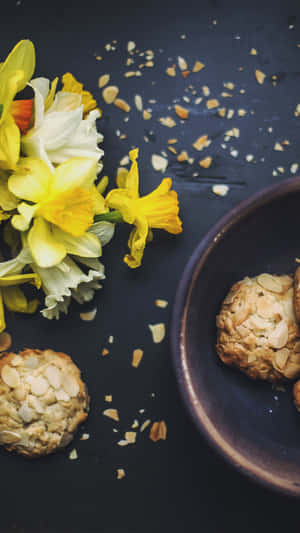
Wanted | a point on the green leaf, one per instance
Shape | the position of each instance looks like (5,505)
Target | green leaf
(1,110)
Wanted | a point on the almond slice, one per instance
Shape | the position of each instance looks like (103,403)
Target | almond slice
(89,315)
(158,332)
(10,376)
(198,66)
(279,336)
(281,357)
(212,104)
(183,156)
(62,396)
(39,386)
(26,413)
(206,162)
(167,121)
(145,425)
(121,104)
(131,46)
(260,76)
(111,413)
(138,102)
(182,63)
(159,163)
(130,436)
(53,375)
(137,357)
(161,303)
(70,385)
(171,71)
(201,142)
(181,112)
(103,80)
(31,362)
(120,473)
(158,431)
(110,93)
(270,283)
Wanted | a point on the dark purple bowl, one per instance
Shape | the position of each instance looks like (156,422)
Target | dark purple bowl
(253,426)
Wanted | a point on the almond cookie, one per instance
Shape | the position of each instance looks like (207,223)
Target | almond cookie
(296,395)
(42,401)
(297,293)
(257,328)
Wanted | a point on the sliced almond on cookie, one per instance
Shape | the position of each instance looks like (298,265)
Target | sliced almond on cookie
(53,375)
(270,283)
(297,293)
(70,385)
(39,386)
(279,336)
(10,376)
(281,357)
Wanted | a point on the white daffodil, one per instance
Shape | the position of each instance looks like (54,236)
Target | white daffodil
(61,130)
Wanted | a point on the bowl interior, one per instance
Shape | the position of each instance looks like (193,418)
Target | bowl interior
(255,426)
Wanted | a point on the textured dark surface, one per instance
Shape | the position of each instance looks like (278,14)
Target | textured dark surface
(177,485)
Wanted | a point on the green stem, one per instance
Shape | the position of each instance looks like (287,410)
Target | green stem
(111,216)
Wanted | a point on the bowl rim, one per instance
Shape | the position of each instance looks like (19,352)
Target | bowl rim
(177,333)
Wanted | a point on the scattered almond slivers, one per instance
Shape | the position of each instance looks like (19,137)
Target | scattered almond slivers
(5,341)
(159,163)
(198,66)
(73,455)
(145,425)
(146,115)
(220,190)
(138,102)
(183,156)
(181,112)
(253,52)
(137,356)
(161,303)
(229,85)
(201,142)
(182,63)
(206,162)
(111,413)
(172,141)
(131,46)
(185,73)
(121,104)
(104,352)
(89,315)
(171,71)
(120,473)
(222,112)
(260,76)
(158,431)
(130,437)
(103,80)
(167,121)
(278,147)
(211,104)
(110,93)
(158,332)
(206,90)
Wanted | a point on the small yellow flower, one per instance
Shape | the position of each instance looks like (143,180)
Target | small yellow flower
(159,209)
(15,72)
(13,297)
(71,85)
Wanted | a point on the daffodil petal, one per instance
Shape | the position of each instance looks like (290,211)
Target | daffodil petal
(2,316)
(46,250)
(15,265)
(132,180)
(15,300)
(104,231)
(161,208)
(118,199)
(22,58)
(51,94)
(87,245)
(9,143)
(64,101)
(98,201)
(8,201)
(75,172)
(19,279)
(20,223)
(137,243)
(41,89)
(31,181)
(59,126)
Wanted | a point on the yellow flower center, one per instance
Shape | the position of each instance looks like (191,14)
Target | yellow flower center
(71,210)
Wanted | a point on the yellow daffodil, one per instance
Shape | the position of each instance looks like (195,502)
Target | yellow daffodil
(159,209)
(71,85)
(10,294)
(15,72)
(61,204)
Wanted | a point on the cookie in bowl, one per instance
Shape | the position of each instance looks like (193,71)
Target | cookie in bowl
(42,401)
(257,328)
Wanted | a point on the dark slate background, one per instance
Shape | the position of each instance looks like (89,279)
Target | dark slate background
(181,484)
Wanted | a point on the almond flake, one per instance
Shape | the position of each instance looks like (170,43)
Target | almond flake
(111,339)
(124,161)
(158,332)
(158,431)
(182,63)
(103,80)
(111,413)
(10,376)
(39,386)
(89,316)
(234,132)
(279,336)
(260,76)
(201,142)
(183,156)
(242,112)
(5,341)
(222,112)
(198,100)
(206,90)
(145,425)
(172,149)
(123,442)
(138,102)
(104,352)
(130,436)
(230,113)
(249,157)
(229,85)
(220,190)
(135,424)
(280,169)
(297,111)
(108,398)
(159,163)
(120,473)
(278,147)
(137,357)
(198,66)
(172,141)
(206,162)
(211,104)
(161,303)
(121,104)
(85,436)
(110,93)
(253,52)
(146,115)
(294,167)
(181,112)
(185,73)
(131,46)
(270,283)
(224,94)
(129,74)
(167,121)
(171,71)
(73,455)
